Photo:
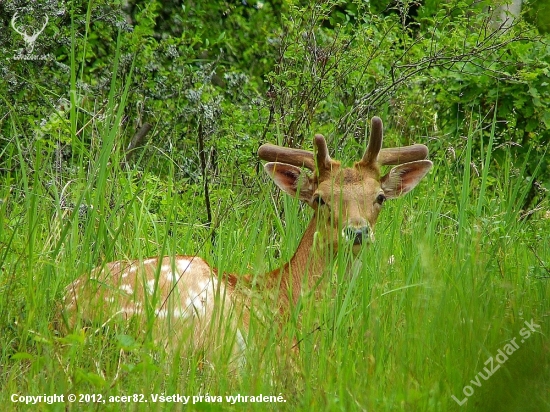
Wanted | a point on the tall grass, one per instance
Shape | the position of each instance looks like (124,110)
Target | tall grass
(454,274)
(438,294)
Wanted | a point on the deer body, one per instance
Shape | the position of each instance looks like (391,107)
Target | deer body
(187,302)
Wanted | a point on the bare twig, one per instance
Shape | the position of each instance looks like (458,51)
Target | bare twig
(137,141)
(541,262)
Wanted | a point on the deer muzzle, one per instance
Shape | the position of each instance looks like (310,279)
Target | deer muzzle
(357,235)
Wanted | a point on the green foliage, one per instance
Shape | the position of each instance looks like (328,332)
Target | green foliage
(538,13)
(516,86)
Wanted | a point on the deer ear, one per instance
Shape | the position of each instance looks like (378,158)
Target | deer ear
(403,178)
(291,179)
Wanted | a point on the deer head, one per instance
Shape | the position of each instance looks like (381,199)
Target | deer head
(346,201)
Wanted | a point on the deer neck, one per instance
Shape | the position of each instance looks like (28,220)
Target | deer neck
(286,283)
(303,270)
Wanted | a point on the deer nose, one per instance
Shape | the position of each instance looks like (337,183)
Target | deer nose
(357,234)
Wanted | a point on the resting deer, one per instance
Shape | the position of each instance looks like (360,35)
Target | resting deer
(180,298)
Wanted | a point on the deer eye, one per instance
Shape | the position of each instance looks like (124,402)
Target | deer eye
(318,200)
(380,198)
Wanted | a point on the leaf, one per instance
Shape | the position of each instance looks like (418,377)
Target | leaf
(22,356)
(126,342)
(73,338)
(90,377)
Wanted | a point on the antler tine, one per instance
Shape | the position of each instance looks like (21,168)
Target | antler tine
(375,143)
(295,157)
(324,162)
(45,23)
(14,17)
(400,155)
